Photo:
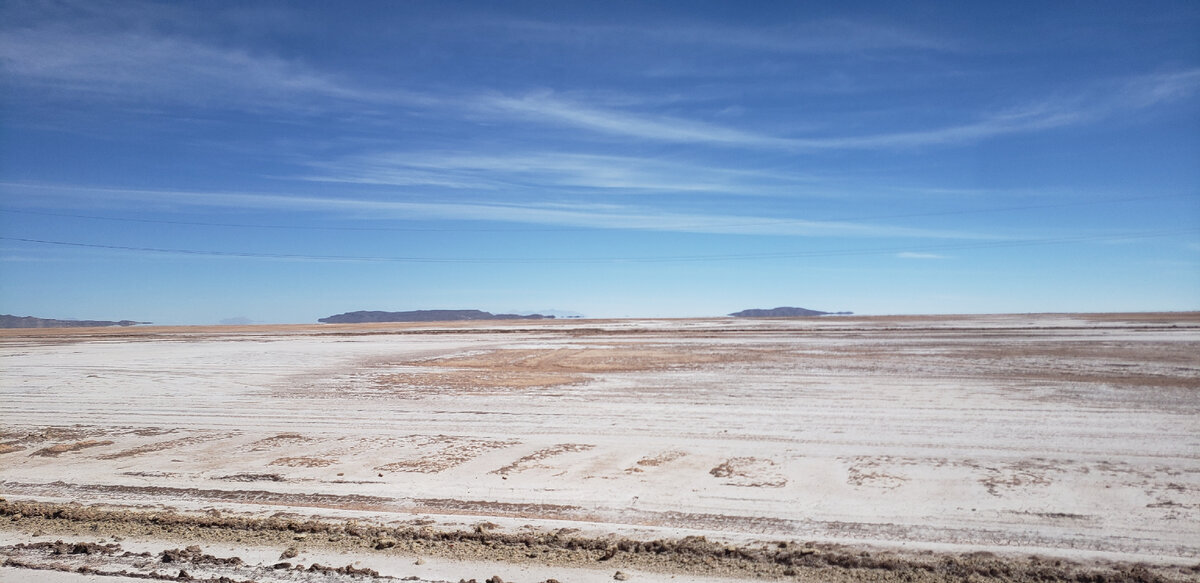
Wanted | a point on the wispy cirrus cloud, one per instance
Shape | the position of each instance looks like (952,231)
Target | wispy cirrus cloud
(149,51)
(1090,105)
(1093,104)
(147,66)
(531,171)
(1154,89)
(545,107)
(566,215)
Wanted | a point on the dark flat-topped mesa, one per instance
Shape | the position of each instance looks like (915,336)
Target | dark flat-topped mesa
(423,316)
(7,321)
(783,312)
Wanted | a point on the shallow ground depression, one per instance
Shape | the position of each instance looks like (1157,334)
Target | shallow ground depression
(550,366)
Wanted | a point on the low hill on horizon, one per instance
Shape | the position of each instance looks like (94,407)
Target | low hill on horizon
(362,317)
(783,312)
(9,321)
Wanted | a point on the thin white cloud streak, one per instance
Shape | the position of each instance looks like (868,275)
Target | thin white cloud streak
(544,107)
(537,170)
(586,216)
(1091,105)
(1151,90)
(146,66)
(87,55)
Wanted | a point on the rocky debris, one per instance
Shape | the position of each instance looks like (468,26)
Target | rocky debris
(195,555)
(59,547)
(693,554)
(347,570)
(486,526)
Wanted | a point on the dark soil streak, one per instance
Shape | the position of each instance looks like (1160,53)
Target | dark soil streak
(693,554)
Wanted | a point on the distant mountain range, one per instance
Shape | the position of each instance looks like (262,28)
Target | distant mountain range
(7,321)
(424,316)
(784,312)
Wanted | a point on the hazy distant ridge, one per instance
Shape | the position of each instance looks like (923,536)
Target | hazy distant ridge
(7,321)
(782,312)
(423,316)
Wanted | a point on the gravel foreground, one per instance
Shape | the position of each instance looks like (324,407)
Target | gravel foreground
(91,548)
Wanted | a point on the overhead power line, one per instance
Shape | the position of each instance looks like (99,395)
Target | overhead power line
(655,259)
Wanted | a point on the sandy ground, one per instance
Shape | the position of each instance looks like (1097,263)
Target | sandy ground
(1065,436)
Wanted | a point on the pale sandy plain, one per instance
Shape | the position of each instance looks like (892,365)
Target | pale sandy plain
(1057,436)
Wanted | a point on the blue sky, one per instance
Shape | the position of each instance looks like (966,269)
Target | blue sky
(188,163)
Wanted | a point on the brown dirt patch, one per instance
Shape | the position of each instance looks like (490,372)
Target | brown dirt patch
(56,450)
(455,452)
(154,493)
(303,462)
(531,461)
(157,446)
(508,509)
(750,472)
(77,433)
(513,368)
(277,441)
(9,448)
(1010,356)
(580,360)
(253,478)
(652,461)
(874,472)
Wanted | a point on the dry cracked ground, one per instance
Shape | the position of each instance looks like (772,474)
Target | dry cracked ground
(1019,447)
